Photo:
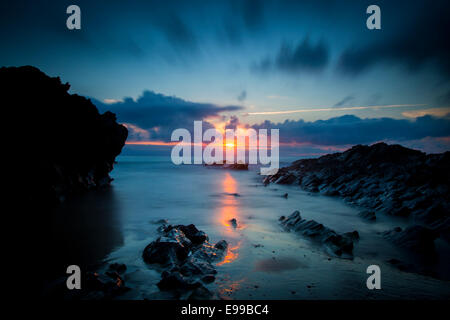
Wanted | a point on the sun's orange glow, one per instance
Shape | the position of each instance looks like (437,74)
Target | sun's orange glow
(228,210)
(230,145)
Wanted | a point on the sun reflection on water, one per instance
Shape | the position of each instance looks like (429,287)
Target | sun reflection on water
(228,210)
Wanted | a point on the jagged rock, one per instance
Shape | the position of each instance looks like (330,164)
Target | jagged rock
(74,146)
(165,251)
(339,244)
(187,256)
(417,238)
(193,234)
(384,178)
(195,266)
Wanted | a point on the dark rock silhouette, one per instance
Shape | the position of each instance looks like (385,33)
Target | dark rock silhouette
(383,178)
(60,146)
(64,144)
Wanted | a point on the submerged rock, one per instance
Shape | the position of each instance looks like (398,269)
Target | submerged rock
(339,244)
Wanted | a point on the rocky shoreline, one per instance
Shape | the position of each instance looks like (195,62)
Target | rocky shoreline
(382,179)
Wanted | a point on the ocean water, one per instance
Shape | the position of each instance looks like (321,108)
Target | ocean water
(263,260)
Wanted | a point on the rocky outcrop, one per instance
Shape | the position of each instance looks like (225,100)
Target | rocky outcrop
(231,166)
(186,257)
(64,145)
(340,245)
(382,178)
(416,238)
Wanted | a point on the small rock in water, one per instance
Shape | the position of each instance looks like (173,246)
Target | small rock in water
(233,223)
(339,244)
(285,195)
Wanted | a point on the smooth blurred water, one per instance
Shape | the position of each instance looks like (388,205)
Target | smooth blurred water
(263,262)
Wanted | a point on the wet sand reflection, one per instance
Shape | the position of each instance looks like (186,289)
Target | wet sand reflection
(228,210)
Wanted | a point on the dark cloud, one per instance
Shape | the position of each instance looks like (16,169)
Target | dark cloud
(233,123)
(306,56)
(242,96)
(253,14)
(160,114)
(420,40)
(345,101)
(349,130)
(178,33)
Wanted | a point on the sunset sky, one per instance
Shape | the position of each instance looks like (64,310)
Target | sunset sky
(310,68)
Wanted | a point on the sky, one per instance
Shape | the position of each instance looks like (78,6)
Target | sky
(310,68)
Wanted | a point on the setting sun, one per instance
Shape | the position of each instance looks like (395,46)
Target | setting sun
(230,145)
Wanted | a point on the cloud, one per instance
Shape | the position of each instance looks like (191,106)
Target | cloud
(344,101)
(437,112)
(332,109)
(242,96)
(178,33)
(350,130)
(294,59)
(159,114)
(417,42)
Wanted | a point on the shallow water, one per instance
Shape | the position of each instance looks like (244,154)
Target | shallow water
(263,262)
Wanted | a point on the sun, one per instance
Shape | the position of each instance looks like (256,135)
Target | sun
(230,145)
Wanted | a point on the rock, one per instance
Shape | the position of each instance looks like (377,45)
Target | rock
(368,215)
(165,251)
(201,293)
(195,266)
(233,223)
(381,178)
(187,256)
(192,233)
(208,278)
(221,245)
(75,146)
(285,195)
(236,166)
(416,238)
(338,244)
(119,267)
(104,287)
